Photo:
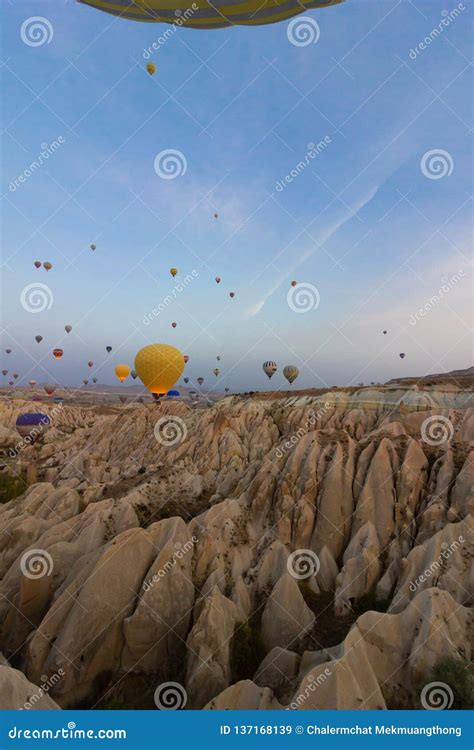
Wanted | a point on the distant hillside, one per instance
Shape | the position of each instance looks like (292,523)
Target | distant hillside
(455,377)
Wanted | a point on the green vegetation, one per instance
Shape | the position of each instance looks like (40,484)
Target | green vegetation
(246,650)
(11,487)
(458,675)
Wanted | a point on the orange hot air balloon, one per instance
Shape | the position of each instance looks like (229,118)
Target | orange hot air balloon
(159,366)
(122,372)
(186,359)
(58,353)
(48,265)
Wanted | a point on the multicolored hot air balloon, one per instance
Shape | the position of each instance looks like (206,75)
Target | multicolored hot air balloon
(58,353)
(290,372)
(270,368)
(151,69)
(173,271)
(32,425)
(205,15)
(218,279)
(68,328)
(32,383)
(49,388)
(38,339)
(122,372)
(216,371)
(47,265)
(159,366)
(37,264)
(108,349)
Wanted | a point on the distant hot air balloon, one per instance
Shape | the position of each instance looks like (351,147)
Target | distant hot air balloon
(38,339)
(37,264)
(290,372)
(122,372)
(58,353)
(173,325)
(173,271)
(226,390)
(4,372)
(94,380)
(210,15)
(108,349)
(402,355)
(200,381)
(218,279)
(47,265)
(10,382)
(218,357)
(186,380)
(122,398)
(294,283)
(216,216)
(186,359)
(15,375)
(8,351)
(232,295)
(32,383)
(134,374)
(270,368)
(384,333)
(49,388)
(159,366)
(151,69)
(90,363)
(32,425)
(85,381)
(93,247)
(216,371)
(173,394)
(68,329)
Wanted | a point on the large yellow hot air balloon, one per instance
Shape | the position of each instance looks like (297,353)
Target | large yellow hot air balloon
(122,372)
(159,366)
(203,14)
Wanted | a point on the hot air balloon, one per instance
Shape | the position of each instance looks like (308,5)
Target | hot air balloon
(151,69)
(173,271)
(209,16)
(15,375)
(90,363)
(270,368)
(294,283)
(173,325)
(173,394)
(384,333)
(218,279)
(200,381)
(94,380)
(32,425)
(134,374)
(159,366)
(8,351)
(93,247)
(186,380)
(122,398)
(58,353)
(37,264)
(218,357)
(122,372)
(85,381)
(68,329)
(216,371)
(38,339)
(232,295)
(4,372)
(186,359)
(10,382)
(32,383)
(108,349)
(47,265)
(226,390)
(402,355)
(290,372)
(49,388)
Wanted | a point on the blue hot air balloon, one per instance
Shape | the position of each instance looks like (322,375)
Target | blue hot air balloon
(32,425)
(173,394)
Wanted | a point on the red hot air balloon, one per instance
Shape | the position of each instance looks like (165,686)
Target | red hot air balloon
(90,363)
(186,358)
(58,353)
(173,325)
(37,264)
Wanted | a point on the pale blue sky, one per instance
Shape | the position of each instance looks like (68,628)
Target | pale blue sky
(361,222)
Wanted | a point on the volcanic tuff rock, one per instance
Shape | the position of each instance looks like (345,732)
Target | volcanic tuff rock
(170,559)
